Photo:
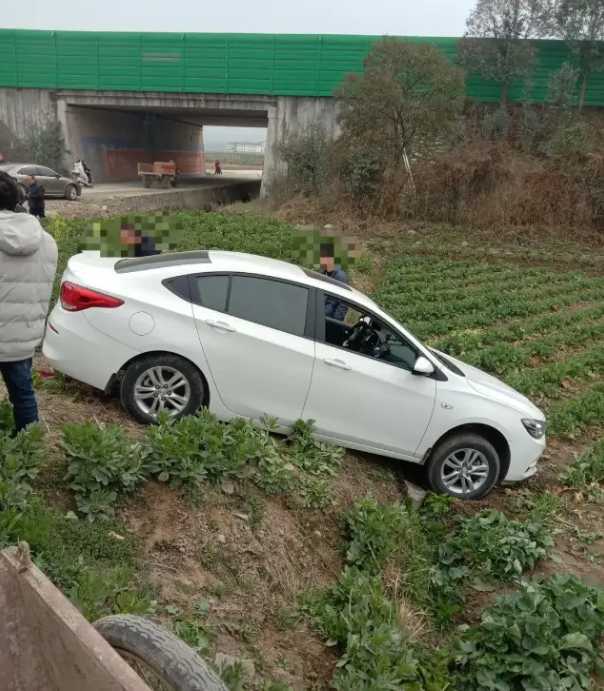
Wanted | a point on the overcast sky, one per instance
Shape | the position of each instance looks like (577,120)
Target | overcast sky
(373,17)
(400,17)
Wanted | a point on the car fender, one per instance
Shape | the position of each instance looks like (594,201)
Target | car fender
(447,417)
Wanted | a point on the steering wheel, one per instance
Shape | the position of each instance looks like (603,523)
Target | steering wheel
(363,338)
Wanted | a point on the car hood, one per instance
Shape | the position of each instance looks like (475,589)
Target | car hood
(493,388)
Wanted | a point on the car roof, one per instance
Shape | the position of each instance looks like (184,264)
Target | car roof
(10,166)
(173,264)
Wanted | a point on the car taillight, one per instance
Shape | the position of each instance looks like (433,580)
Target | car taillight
(75,298)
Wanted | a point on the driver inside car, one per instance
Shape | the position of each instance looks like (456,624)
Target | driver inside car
(366,335)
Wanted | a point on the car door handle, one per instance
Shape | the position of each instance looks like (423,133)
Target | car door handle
(218,324)
(336,362)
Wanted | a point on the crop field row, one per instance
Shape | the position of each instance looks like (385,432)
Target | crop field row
(539,330)
(517,329)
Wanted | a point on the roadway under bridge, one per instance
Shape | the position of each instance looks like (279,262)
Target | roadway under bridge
(114,130)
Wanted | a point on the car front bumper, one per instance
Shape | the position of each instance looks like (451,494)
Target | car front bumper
(524,458)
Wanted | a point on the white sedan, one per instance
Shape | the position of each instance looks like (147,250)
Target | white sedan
(249,337)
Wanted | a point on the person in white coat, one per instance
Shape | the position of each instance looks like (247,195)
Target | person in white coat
(28,263)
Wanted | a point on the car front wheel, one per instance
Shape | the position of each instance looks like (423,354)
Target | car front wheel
(71,193)
(465,466)
(162,383)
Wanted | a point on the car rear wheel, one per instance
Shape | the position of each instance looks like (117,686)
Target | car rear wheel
(71,193)
(162,383)
(465,466)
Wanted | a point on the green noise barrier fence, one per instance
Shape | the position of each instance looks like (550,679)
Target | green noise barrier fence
(271,64)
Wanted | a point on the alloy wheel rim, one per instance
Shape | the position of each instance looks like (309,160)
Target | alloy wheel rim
(464,471)
(162,389)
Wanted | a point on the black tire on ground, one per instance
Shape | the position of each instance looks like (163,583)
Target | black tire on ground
(71,193)
(456,445)
(157,655)
(198,393)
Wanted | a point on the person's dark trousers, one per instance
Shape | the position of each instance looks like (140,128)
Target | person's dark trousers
(38,211)
(17,377)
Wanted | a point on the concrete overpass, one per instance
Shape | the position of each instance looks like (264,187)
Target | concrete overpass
(114,130)
(128,97)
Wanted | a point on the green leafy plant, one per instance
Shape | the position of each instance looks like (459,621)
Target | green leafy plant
(491,544)
(102,463)
(315,492)
(7,423)
(376,532)
(588,470)
(310,455)
(356,615)
(20,459)
(546,636)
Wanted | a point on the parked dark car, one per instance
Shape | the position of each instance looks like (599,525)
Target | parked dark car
(55,185)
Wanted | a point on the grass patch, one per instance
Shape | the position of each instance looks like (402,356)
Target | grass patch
(95,565)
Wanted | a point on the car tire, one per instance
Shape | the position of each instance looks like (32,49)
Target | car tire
(465,466)
(189,390)
(160,658)
(71,193)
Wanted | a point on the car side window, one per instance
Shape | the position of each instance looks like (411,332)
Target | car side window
(45,172)
(210,291)
(359,331)
(276,304)
(27,170)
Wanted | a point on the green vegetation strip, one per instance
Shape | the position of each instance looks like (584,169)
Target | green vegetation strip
(507,357)
(569,417)
(516,330)
(430,328)
(498,303)
(549,380)
(531,635)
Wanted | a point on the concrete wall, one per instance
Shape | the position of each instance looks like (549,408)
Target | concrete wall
(292,116)
(20,108)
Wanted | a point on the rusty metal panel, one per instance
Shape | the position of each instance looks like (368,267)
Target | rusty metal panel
(46,644)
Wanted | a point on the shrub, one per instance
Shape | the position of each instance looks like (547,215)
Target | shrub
(571,141)
(307,159)
(44,144)
(545,636)
(102,463)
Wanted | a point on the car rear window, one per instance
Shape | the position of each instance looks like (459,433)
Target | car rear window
(271,303)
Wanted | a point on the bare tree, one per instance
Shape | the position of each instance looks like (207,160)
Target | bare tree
(581,24)
(495,44)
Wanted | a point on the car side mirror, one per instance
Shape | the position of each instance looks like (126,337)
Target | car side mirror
(423,366)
